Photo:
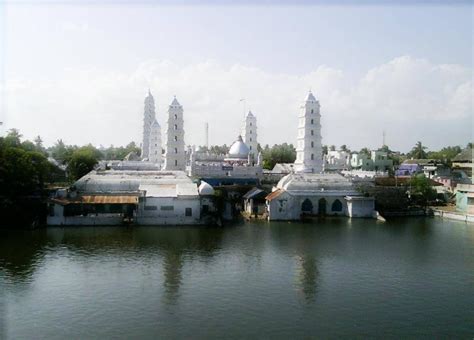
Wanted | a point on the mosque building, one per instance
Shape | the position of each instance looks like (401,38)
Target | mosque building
(308,191)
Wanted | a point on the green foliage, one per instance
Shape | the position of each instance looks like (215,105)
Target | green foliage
(446,154)
(82,161)
(219,150)
(421,189)
(365,151)
(61,152)
(418,151)
(23,170)
(282,153)
(119,153)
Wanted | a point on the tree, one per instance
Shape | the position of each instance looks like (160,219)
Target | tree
(325,150)
(446,154)
(13,138)
(82,162)
(283,153)
(332,148)
(344,148)
(421,189)
(365,151)
(418,151)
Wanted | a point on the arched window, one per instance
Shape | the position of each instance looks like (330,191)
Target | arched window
(250,131)
(250,123)
(336,206)
(250,148)
(307,206)
(312,132)
(312,111)
(175,116)
(175,162)
(175,138)
(250,138)
(312,156)
(312,144)
(312,121)
(176,126)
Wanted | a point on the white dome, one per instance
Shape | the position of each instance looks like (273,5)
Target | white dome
(239,149)
(205,189)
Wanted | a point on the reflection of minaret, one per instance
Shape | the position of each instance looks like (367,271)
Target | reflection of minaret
(308,276)
(173,264)
(148,118)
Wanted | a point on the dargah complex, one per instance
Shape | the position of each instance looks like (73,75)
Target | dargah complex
(185,185)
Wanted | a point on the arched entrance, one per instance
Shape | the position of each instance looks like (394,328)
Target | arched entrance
(322,207)
(307,206)
(336,206)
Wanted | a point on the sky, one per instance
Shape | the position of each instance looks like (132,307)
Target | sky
(80,71)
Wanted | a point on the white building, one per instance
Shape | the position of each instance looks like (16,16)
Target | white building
(114,197)
(378,161)
(337,160)
(249,134)
(309,148)
(308,191)
(175,158)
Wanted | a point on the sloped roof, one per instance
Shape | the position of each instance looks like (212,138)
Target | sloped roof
(465,155)
(310,97)
(254,193)
(175,102)
(274,194)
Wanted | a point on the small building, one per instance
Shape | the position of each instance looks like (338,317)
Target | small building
(254,201)
(464,161)
(378,161)
(299,194)
(337,161)
(465,198)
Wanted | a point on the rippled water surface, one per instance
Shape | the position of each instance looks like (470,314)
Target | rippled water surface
(333,277)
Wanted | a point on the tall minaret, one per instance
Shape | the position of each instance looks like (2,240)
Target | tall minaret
(309,149)
(154,154)
(175,158)
(249,133)
(148,119)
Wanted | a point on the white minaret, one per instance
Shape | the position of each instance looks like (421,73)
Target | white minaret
(175,158)
(154,154)
(249,133)
(309,149)
(148,119)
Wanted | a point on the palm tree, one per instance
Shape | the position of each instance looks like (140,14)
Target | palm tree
(418,151)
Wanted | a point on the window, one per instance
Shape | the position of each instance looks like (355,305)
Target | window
(189,212)
(175,138)
(312,144)
(312,132)
(312,121)
(151,207)
(175,162)
(175,150)
(175,116)
(312,111)
(250,147)
(250,138)
(250,131)
(166,208)
(312,156)
(156,144)
(176,126)
(250,123)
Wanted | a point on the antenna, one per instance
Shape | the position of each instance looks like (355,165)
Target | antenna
(383,138)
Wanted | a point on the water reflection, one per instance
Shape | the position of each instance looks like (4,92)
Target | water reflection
(307,276)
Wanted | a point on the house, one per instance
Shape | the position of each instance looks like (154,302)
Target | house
(378,161)
(337,160)
(464,161)
(465,198)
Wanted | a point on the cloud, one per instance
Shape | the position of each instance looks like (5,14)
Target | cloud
(411,99)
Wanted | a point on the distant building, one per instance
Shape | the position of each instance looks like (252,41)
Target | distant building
(429,167)
(464,161)
(175,158)
(378,161)
(337,161)
(465,198)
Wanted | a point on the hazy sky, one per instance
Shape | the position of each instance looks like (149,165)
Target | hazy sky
(80,71)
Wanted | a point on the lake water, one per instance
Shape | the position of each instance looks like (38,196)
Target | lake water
(333,277)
